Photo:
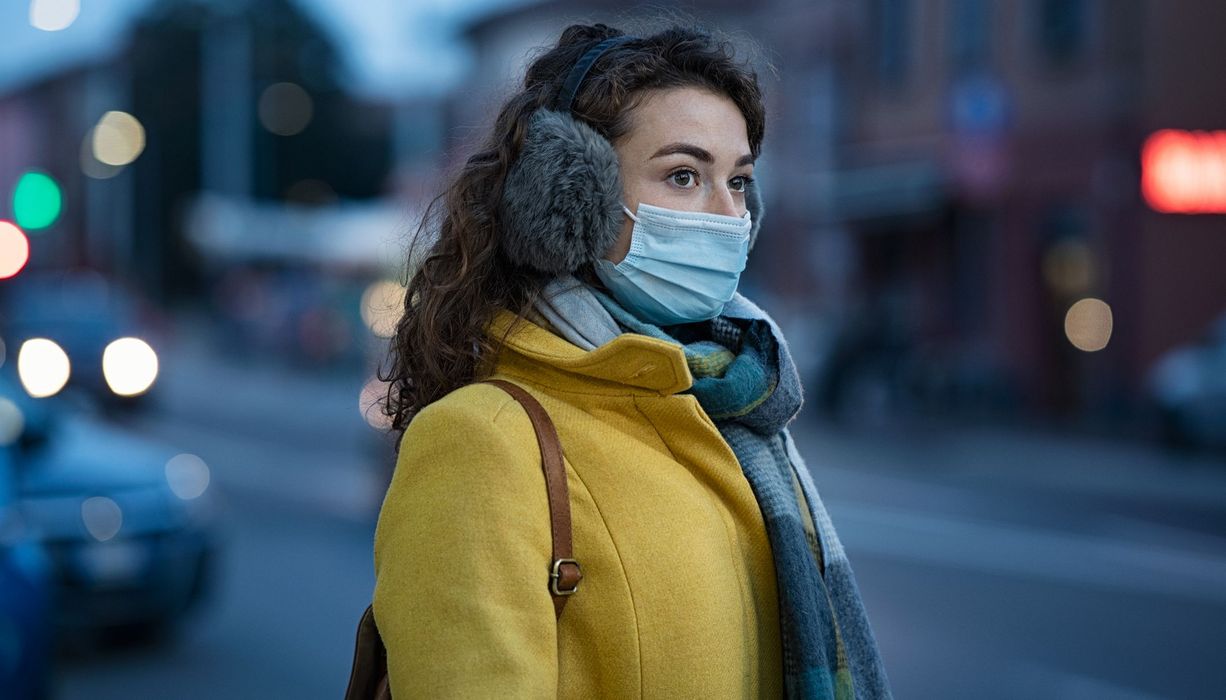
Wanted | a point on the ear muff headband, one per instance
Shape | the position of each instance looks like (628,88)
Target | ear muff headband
(570,88)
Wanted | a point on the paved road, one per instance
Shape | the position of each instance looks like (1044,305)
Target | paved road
(993,563)
(1005,565)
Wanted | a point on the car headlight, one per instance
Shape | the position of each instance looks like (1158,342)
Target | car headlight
(130,366)
(43,367)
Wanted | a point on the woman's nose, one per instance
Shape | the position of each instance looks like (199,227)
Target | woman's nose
(723,201)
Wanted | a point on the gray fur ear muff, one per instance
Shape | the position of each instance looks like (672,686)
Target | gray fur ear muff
(562,198)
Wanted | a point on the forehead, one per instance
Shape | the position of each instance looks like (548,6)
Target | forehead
(687,115)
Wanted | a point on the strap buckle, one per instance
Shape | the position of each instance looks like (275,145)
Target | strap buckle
(556,576)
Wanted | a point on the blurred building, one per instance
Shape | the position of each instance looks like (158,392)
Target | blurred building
(945,180)
(243,99)
(989,178)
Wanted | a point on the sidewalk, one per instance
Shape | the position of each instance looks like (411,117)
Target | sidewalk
(1006,458)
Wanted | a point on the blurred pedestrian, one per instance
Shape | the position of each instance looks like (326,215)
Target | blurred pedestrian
(590,253)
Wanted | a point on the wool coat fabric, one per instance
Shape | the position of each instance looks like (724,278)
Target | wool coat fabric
(678,597)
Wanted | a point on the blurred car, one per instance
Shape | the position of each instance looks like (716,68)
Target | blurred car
(25,605)
(126,523)
(1188,386)
(84,327)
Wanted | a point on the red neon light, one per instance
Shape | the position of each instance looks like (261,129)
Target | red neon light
(1184,172)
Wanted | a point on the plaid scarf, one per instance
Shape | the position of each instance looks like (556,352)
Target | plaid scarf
(745,380)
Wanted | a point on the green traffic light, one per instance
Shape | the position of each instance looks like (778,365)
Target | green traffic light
(37,201)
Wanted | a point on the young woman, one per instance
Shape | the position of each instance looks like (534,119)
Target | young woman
(590,254)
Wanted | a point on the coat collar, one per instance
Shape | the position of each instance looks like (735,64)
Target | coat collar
(630,363)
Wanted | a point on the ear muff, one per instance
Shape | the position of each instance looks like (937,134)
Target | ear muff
(561,201)
(562,197)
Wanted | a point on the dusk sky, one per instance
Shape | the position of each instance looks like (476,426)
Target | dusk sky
(385,42)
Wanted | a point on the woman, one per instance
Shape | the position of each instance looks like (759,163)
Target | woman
(590,254)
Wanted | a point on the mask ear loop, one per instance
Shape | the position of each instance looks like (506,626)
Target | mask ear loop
(634,218)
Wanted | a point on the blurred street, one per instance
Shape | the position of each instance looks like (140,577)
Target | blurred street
(296,518)
(993,563)
(993,237)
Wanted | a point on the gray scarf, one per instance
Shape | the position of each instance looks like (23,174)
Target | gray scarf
(746,381)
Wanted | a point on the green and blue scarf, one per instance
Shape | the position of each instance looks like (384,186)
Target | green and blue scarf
(746,381)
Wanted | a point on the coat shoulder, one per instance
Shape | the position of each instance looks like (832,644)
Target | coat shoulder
(475,406)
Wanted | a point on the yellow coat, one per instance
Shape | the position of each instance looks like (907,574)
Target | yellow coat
(678,598)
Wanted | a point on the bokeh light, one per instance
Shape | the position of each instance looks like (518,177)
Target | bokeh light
(14,250)
(1088,324)
(12,422)
(285,108)
(187,476)
(1185,171)
(37,201)
(1068,268)
(382,306)
(371,402)
(53,15)
(129,366)
(118,138)
(91,166)
(43,367)
(102,517)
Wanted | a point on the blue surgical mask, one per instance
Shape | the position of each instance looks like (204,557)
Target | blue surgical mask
(683,266)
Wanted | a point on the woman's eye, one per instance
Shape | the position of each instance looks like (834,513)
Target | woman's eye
(740,183)
(683,178)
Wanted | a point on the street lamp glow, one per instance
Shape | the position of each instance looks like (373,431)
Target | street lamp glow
(129,366)
(102,517)
(37,201)
(90,165)
(285,108)
(1088,324)
(53,15)
(12,422)
(119,138)
(43,367)
(382,306)
(371,402)
(187,475)
(14,250)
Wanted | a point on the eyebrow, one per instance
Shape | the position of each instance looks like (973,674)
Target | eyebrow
(701,154)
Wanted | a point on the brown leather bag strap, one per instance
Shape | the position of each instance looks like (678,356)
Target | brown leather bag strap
(564,571)
(368,677)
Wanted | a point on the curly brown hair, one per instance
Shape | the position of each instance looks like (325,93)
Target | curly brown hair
(440,343)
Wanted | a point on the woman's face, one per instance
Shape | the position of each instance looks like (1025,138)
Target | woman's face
(687,149)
